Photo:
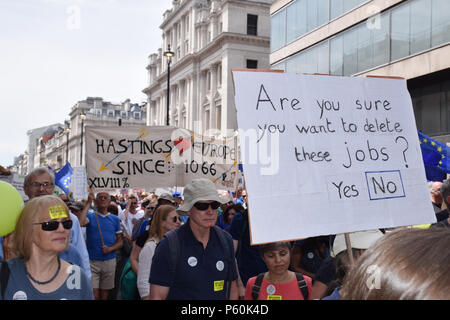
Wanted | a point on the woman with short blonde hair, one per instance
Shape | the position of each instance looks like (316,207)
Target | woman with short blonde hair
(37,273)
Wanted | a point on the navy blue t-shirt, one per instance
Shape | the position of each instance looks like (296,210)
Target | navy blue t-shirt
(201,274)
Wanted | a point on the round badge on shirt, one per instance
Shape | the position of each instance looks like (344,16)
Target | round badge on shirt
(20,295)
(192,261)
(310,255)
(220,265)
(271,289)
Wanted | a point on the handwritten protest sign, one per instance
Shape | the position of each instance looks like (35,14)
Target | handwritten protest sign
(79,185)
(152,157)
(325,155)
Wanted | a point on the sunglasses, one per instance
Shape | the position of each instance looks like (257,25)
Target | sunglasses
(175,219)
(53,225)
(202,206)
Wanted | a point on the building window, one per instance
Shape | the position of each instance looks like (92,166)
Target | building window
(302,16)
(206,119)
(219,76)
(430,96)
(208,81)
(252,24)
(219,117)
(252,64)
(137,115)
(410,28)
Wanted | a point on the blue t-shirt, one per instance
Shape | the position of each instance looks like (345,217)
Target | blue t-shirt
(201,274)
(76,287)
(143,226)
(109,226)
(334,295)
(222,224)
(248,258)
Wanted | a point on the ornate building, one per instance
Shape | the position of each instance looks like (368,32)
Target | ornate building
(209,38)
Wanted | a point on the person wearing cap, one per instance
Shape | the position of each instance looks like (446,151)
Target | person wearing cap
(204,269)
(360,241)
(178,198)
(166,198)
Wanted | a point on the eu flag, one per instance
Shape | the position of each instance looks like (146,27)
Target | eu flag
(64,177)
(435,157)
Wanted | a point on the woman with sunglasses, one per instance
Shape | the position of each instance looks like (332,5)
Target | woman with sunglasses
(165,218)
(37,273)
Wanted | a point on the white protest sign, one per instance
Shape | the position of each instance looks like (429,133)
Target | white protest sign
(326,155)
(151,157)
(79,186)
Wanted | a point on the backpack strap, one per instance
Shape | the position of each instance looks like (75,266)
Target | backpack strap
(257,286)
(228,253)
(4,277)
(302,285)
(172,239)
(223,242)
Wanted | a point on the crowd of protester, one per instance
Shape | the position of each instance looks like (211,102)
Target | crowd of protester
(196,245)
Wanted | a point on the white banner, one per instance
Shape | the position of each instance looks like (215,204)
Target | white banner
(325,155)
(153,157)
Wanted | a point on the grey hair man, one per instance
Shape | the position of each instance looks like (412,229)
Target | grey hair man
(204,268)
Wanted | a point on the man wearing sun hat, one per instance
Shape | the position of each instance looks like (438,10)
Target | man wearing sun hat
(204,269)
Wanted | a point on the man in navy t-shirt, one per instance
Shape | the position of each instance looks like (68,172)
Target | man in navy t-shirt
(204,269)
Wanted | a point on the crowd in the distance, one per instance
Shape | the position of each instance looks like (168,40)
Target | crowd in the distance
(196,246)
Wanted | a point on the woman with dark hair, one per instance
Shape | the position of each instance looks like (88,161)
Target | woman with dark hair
(279,283)
(224,220)
(407,264)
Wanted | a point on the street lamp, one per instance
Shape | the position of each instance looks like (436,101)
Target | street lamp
(82,117)
(168,54)
(67,140)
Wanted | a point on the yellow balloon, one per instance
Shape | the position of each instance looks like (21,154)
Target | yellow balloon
(11,205)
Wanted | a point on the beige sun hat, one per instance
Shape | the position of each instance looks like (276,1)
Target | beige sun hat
(199,190)
(167,196)
(358,240)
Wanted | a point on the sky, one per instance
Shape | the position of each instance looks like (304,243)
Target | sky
(54,53)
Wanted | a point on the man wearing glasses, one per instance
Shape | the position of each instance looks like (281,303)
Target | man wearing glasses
(41,182)
(104,238)
(204,268)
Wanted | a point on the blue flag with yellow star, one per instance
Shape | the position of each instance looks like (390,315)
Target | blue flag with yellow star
(63,178)
(435,158)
